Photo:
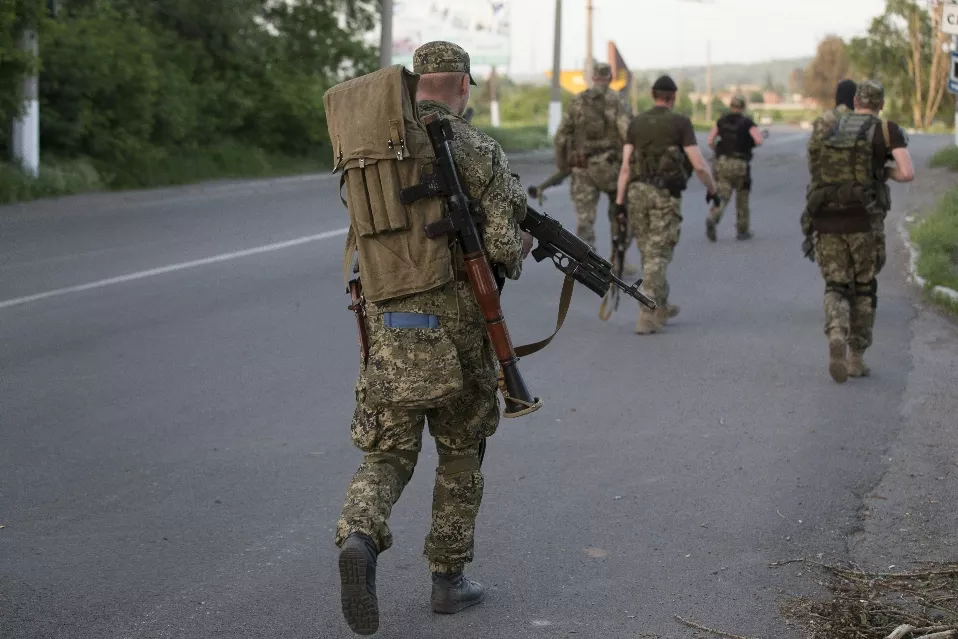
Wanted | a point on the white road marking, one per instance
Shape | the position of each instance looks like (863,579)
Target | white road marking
(170,268)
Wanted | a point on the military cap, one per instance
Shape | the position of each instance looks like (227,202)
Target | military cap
(665,83)
(870,93)
(738,102)
(441,57)
(601,70)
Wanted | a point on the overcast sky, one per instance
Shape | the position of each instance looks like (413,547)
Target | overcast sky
(673,33)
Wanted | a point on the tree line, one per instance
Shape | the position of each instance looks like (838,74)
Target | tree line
(133,83)
(903,49)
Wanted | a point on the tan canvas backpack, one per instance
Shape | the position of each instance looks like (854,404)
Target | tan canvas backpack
(382,148)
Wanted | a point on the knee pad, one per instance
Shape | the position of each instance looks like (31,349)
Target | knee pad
(403,462)
(868,289)
(456,464)
(840,288)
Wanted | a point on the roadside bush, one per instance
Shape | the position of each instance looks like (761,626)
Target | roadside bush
(946,158)
(56,178)
(521,138)
(937,240)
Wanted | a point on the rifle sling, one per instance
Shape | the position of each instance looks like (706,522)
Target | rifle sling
(565,298)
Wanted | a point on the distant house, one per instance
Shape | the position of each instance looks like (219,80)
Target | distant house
(771,97)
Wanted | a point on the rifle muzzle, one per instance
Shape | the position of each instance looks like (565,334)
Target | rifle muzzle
(519,401)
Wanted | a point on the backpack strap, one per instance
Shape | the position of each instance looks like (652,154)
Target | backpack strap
(886,134)
(348,252)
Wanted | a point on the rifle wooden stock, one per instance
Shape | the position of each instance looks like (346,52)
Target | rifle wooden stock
(358,306)
(518,400)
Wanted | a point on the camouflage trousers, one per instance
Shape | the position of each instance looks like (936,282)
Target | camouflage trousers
(588,183)
(656,220)
(848,263)
(391,438)
(731,175)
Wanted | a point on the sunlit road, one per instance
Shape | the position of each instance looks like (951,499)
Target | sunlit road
(174,412)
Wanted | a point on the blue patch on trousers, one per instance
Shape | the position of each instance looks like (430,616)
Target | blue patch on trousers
(410,320)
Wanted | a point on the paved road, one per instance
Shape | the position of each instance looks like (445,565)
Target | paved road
(175,446)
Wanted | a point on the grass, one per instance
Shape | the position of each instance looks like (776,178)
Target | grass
(56,178)
(937,240)
(522,137)
(945,158)
(153,168)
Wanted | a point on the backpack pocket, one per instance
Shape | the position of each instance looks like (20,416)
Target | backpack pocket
(372,192)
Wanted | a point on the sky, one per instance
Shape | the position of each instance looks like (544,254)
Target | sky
(662,34)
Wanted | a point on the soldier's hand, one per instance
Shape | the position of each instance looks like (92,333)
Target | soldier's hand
(621,212)
(533,192)
(526,244)
(808,248)
(713,199)
(881,256)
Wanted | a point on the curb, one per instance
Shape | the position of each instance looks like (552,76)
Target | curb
(913,254)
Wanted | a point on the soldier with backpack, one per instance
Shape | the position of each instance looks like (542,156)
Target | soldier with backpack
(732,138)
(426,354)
(847,200)
(589,144)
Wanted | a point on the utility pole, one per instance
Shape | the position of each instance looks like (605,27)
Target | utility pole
(386,35)
(954,48)
(708,82)
(494,97)
(555,101)
(589,60)
(26,127)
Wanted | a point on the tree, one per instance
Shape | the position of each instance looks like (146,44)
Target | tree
(830,66)
(796,81)
(14,63)
(910,31)
(757,97)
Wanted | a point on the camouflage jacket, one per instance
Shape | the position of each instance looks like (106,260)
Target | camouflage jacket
(484,172)
(596,121)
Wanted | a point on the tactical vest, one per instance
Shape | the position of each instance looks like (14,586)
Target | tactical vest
(595,132)
(733,137)
(382,148)
(659,161)
(846,187)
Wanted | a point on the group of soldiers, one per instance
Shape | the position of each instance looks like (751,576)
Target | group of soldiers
(642,164)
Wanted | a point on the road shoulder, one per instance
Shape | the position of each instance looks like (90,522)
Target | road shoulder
(909,516)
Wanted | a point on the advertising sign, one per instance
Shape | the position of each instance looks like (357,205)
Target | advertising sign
(481,27)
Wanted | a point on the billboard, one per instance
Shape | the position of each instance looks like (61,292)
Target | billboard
(481,27)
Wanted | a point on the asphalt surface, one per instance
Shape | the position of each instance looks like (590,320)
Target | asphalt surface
(175,443)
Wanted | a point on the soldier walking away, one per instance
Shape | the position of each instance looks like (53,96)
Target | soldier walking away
(430,361)
(589,143)
(665,154)
(732,138)
(847,201)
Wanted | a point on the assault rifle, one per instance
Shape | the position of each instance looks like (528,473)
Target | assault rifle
(553,180)
(574,257)
(570,254)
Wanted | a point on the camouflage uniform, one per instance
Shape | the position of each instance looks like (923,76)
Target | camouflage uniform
(391,435)
(656,220)
(592,132)
(849,259)
(732,174)
(732,171)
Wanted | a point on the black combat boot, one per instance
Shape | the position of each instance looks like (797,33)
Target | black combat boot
(357,575)
(452,593)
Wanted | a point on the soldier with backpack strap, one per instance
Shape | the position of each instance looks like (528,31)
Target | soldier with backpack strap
(589,143)
(428,355)
(847,200)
